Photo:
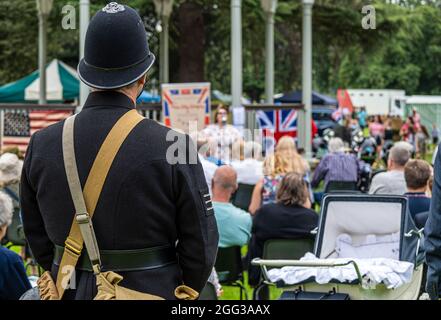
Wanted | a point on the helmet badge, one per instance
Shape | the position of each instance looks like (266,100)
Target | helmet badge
(113,7)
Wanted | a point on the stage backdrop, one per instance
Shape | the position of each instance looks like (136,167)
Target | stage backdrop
(183,103)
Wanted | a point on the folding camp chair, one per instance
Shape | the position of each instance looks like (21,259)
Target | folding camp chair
(229,269)
(283,249)
(341,187)
(242,197)
(345,187)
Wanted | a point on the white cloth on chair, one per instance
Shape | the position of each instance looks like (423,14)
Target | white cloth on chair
(393,273)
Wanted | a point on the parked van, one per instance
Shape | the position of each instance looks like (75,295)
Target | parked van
(381,102)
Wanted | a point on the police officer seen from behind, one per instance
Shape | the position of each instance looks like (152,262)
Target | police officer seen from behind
(159,211)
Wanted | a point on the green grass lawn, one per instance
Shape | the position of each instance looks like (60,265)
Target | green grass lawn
(233,293)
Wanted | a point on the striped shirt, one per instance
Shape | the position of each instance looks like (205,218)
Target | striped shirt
(337,167)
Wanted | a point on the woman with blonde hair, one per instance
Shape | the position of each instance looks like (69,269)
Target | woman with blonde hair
(286,147)
(285,160)
(247,162)
(237,150)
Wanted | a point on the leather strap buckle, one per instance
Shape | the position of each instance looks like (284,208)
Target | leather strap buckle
(82,218)
(86,228)
(73,247)
(96,269)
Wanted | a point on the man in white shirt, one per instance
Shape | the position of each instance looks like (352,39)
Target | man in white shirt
(209,167)
(249,170)
(392,182)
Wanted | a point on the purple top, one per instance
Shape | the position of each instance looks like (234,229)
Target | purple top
(337,167)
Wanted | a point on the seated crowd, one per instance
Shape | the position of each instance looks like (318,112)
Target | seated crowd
(284,160)
(280,205)
(13,279)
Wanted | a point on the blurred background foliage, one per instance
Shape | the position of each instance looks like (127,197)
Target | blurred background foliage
(403,52)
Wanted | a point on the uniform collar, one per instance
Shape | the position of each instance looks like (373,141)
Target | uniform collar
(416,194)
(109,99)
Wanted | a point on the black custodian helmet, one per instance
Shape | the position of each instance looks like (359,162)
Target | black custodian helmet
(116,51)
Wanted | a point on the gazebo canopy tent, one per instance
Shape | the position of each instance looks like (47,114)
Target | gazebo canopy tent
(147,97)
(226,98)
(22,121)
(62,85)
(429,108)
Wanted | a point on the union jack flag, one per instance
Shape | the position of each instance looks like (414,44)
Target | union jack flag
(276,124)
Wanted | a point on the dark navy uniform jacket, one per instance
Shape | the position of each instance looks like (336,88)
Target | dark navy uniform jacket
(145,202)
(432,232)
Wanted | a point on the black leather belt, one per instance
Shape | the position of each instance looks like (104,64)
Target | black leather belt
(125,260)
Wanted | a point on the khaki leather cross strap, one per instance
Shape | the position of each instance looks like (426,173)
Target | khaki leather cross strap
(86,201)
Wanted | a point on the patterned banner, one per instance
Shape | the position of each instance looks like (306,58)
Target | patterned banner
(183,103)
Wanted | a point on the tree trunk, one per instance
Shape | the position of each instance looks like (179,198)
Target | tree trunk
(191,42)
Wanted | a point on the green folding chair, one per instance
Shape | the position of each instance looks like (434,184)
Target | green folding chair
(341,187)
(282,249)
(242,197)
(229,269)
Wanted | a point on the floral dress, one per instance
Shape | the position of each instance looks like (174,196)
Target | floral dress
(269,189)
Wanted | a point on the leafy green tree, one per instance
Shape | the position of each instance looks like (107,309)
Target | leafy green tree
(404,51)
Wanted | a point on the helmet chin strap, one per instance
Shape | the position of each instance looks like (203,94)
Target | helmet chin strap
(130,91)
(142,88)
